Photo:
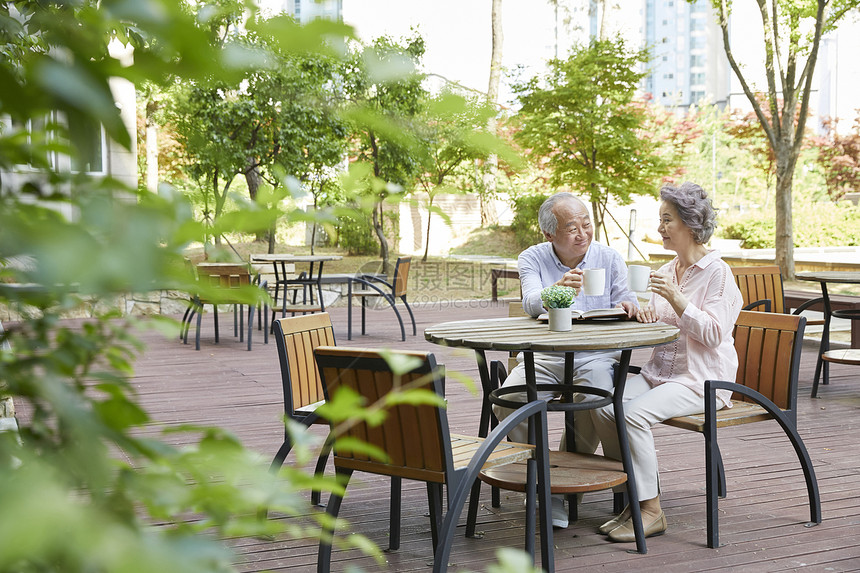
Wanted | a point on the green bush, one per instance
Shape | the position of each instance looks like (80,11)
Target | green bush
(820,225)
(525,223)
(355,234)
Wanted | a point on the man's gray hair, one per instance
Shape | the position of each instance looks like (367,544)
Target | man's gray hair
(694,208)
(546,218)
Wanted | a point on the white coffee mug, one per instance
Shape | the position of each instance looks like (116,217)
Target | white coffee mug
(593,282)
(638,277)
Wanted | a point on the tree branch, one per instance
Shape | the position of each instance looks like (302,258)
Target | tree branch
(770,74)
(807,76)
(724,27)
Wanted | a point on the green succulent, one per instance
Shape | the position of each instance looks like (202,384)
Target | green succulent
(558,296)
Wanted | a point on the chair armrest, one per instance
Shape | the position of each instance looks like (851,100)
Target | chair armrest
(366,279)
(807,304)
(765,302)
(457,499)
(634,369)
(369,284)
(711,387)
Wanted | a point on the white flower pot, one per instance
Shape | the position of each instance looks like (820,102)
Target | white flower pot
(559,319)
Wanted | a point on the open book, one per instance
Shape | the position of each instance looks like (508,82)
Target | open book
(594,314)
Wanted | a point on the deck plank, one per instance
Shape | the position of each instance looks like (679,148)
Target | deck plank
(761,521)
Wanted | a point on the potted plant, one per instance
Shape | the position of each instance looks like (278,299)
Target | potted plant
(557,300)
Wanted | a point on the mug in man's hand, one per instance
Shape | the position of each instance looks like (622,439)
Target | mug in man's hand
(593,282)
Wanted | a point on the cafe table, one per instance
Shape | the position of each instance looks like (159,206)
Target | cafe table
(822,370)
(309,281)
(528,335)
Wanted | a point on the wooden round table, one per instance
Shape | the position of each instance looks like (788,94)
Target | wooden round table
(528,335)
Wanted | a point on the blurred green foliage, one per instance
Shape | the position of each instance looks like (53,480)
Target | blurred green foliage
(70,240)
(525,224)
(822,225)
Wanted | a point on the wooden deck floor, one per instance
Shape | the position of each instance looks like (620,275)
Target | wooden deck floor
(762,519)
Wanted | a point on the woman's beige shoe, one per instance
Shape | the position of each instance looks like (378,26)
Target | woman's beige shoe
(624,533)
(615,521)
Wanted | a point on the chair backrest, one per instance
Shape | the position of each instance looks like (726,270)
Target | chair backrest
(759,284)
(414,437)
(296,338)
(768,346)
(401,275)
(224,275)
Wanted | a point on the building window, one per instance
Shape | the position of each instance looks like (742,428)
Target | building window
(297,9)
(697,96)
(668,76)
(697,79)
(87,141)
(697,60)
(39,133)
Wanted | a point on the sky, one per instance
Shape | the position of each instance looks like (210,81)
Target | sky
(457,34)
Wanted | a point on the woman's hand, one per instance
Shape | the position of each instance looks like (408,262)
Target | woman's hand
(572,278)
(664,286)
(630,308)
(646,314)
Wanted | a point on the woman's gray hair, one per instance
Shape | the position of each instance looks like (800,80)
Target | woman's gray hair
(694,207)
(546,218)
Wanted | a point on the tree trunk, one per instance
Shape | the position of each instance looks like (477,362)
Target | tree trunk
(597,211)
(314,225)
(427,240)
(253,179)
(151,147)
(220,199)
(377,209)
(380,235)
(488,211)
(783,240)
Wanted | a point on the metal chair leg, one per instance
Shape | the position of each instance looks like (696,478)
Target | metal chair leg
(324,554)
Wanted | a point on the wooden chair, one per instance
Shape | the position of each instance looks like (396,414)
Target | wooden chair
(296,338)
(224,283)
(393,290)
(762,290)
(417,445)
(765,388)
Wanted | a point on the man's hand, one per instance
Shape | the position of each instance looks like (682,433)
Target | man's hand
(630,308)
(572,278)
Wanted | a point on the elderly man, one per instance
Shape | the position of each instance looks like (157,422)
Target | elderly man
(569,249)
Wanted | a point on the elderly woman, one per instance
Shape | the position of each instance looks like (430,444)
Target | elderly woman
(696,293)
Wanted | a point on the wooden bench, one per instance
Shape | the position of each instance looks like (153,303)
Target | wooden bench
(794,298)
(497,273)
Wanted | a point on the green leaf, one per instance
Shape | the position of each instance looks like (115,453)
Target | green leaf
(400,363)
